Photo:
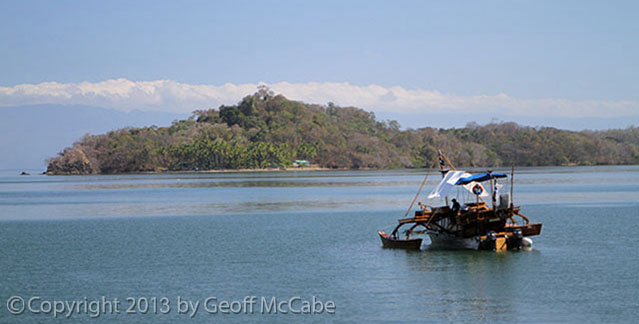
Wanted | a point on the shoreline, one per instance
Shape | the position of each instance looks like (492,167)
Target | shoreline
(255,170)
(245,170)
(299,169)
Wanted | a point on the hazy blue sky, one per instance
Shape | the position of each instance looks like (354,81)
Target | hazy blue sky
(422,57)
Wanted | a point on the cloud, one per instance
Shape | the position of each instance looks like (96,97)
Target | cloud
(174,96)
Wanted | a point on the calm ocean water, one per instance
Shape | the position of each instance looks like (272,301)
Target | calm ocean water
(313,234)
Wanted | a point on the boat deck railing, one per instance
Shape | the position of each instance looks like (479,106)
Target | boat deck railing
(468,211)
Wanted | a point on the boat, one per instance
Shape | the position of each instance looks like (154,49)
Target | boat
(471,222)
(391,242)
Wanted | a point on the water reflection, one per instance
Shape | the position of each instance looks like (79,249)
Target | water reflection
(205,194)
(466,286)
(274,183)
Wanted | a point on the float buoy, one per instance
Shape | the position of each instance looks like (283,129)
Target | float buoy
(477,189)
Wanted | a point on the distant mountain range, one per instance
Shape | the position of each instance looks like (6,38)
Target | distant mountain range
(31,134)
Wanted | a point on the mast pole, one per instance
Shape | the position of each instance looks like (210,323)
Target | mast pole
(442,167)
(420,189)
(492,189)
(447,160)
(512,182)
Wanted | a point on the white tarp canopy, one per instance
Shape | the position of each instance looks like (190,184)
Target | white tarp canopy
(448,183)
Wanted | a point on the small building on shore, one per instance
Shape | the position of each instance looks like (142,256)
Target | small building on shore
(301,163)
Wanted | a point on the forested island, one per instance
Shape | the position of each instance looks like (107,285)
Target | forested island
(265,130)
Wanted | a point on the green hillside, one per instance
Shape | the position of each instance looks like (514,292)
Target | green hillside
(267,130)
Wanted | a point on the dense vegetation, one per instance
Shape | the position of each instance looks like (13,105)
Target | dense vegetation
(267,130)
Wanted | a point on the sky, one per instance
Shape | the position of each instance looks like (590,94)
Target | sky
(567,64)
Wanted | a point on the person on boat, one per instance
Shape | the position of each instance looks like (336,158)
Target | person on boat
(456,206)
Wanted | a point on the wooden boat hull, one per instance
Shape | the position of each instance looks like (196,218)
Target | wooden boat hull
(527,229)
(391,243)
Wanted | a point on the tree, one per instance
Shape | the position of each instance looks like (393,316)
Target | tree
(231,115)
